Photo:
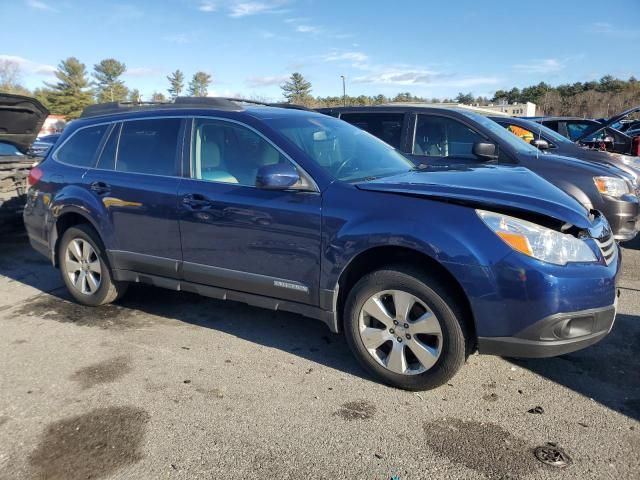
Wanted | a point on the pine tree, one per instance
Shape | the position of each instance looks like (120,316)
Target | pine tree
(71,93)
(107,74)
(135,96)
(199,84)
(176,83)
(297,89)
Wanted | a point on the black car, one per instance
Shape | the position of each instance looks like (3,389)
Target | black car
(551,141)
(21,119)
(597,134)
(441,137)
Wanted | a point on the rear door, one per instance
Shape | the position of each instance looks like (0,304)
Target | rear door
(136,179)
(240,237)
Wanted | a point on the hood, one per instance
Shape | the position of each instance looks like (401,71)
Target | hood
(21,119)
(607,123)
(487,186)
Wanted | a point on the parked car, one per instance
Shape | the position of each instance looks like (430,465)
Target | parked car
(550,141)
(293,210)
(20,120)
(596,134)
(42,144)
(436,137)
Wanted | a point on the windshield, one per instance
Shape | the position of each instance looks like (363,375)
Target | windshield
(344,151)
(500,132)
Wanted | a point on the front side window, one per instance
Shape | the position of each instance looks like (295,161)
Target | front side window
(229,153)
(385,126)
(575,130)
(522,133)
(149,146)
(81,148)
(444,137)
(345,152)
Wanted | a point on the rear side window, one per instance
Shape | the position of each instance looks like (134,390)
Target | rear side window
(386,126)
(149,146)
(81,148)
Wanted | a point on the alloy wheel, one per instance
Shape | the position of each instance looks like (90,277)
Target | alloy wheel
(400,332)
(83,266)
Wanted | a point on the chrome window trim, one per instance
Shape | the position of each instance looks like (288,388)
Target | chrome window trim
(313,183)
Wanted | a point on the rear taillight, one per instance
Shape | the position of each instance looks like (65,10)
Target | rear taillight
(635,146)
(34,176)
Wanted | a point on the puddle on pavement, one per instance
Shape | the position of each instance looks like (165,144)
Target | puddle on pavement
(483,447)
(357,410)
(91,445)
(107,371)
(105,316)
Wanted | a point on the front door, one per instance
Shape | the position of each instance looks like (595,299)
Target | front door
(136,179)
(239,237)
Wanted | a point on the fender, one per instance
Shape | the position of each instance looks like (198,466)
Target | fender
(76,199)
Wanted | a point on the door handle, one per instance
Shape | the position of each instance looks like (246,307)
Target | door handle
(196,201)
(100,188)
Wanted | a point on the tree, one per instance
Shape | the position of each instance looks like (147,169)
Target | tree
(71,93)
(466,98)
(158,97)
(176,83)
(10,76)
(135,96)
(297,89)
(107,74)
(199,84)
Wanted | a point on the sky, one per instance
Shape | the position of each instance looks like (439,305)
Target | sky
(429,48)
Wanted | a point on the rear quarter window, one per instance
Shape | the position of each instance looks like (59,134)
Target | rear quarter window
(386,126)
(81,148)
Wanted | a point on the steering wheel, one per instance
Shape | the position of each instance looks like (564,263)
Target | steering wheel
(343,165)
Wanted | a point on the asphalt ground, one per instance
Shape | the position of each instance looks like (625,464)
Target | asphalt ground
(171,385)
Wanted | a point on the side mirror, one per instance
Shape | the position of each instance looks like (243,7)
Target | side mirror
(484,151)
(540,144)
(277,176)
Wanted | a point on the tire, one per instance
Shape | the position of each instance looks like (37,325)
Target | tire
(440,350)
(105,289)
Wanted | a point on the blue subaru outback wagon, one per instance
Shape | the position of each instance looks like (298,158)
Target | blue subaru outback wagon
(293,210)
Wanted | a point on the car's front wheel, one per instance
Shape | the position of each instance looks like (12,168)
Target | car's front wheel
(85,268)
(405,328)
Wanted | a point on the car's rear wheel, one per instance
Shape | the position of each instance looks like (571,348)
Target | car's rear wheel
(85,268)
(406,328)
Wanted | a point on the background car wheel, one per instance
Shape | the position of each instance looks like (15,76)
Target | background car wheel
(85,269)
(406,328)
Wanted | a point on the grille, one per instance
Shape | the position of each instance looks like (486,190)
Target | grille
(607,247)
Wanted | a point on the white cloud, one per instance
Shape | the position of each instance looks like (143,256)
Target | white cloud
(179,38)
(547,65)
(308,29)
(266,81)
(337,56)
(407,75)
(609,30)
(245,9)
(207,6)
(29,67)
(39,5)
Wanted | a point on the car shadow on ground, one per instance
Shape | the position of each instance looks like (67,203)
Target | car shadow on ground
(605,372)
(632,244)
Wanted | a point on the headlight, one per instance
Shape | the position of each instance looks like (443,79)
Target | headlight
(611,186)
(537,241)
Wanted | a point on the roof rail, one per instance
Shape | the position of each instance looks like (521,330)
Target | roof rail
(179,102)
(269,104)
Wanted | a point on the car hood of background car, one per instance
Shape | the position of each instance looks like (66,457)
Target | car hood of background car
(487,186)
(21,118)
(588,132)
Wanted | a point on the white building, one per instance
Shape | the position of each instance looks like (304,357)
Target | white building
(514,110)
